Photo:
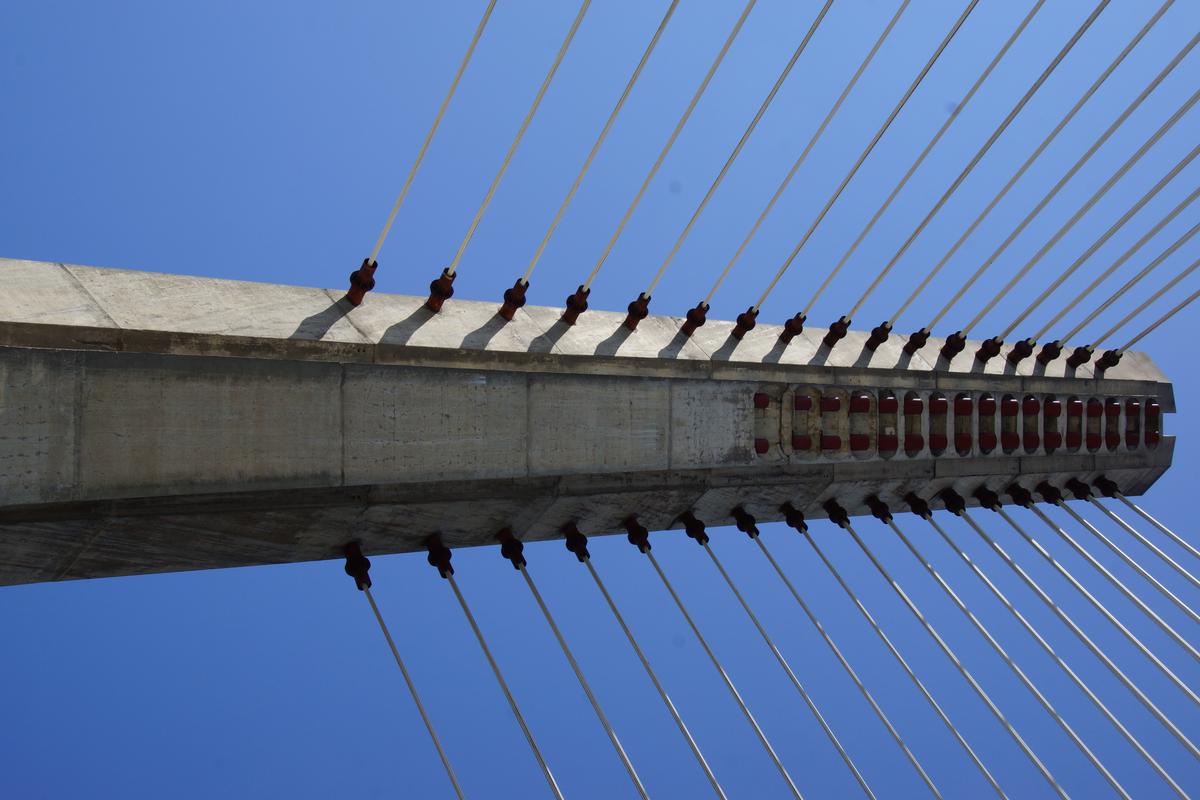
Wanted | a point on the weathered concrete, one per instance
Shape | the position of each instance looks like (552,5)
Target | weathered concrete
(155,422)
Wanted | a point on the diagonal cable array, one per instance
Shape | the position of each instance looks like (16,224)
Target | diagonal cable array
(512,549)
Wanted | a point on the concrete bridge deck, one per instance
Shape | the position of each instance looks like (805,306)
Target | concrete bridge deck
(153,422)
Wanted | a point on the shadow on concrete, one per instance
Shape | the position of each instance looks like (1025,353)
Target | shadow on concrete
(403,330)
(479,338)
(726,350)
(675,346)
(315,327)
(776,352)
(612,344)
(545,342)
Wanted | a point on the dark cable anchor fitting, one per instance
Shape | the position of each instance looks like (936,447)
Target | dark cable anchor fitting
(695,318)
(1109,360)
(879,509)
(694,528)
(794,517)
(440,290)
(837,514)
(514,299)
(953,501)
(918,506)
(1049,493)
(1080,356)
(1020,495)
(1021,351)
(439,556)
(1107,487)
(955,344)
(916,341)
(362,280)
(987,499)
(837,332)
(576,305)
(989,349)
(357,566)
(576,542)
(511,548)
(638,310)
(1079,489)
(638,536)
(745,323)
(879,335)
(793,328)
(1049,352)
(745,521)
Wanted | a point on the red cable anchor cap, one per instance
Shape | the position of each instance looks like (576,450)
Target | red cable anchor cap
(794,517)
(879,335)
(955,344)
(362,280)
(1080,356)
(514,299)
(576,305)
(695,318)
(745,522)
(916,341)
(1049,352)
(837,332)
(918,506)
(1021,351)
(639,309)
(638,536)
(837,514)
(793,328)
(440,290)
(745,322)
(989,349)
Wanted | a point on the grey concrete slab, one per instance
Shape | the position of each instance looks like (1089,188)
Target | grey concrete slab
(38,428)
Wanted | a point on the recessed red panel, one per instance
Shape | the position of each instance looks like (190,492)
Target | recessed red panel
(914,405)
(1031,441)
(1030,405)
(938,405)
(829,442)
(962,442)
(888,405)
(888,444)
(963,406)
(762,446)
(761,400)
(1053,440)
(987,442)
(913,442)
(937,441)
(860,404)
(1053,408)
(801,442)
(1009,407)
(831,403)
(802,402)
(859,441)
(987,406)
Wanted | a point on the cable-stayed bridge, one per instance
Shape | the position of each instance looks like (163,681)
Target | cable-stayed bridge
(156,423)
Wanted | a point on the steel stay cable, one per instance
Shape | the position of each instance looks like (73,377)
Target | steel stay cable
(1118,263)
(1100,242)
(1078,215)
(804,153)
(958,737)
(1083,159)
(412,689)
(1174,537)
(962,670)
(1134,565)
(762,737)
(583,683)
(662,155)
(1187,301)
(512,703)
(866,693)
(866,152)
(591,156)
(1012,665)
(437,121)
(662,692)
(1016,176)
(1146,270)
(783,663)
(1116,582)
(516,142)
(1149,545)
(1168,286)
(1108,615)
(1046,646)
(787,70)
(987,145)
(1074,627)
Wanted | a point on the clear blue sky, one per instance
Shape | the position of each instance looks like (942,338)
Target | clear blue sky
(265,141)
